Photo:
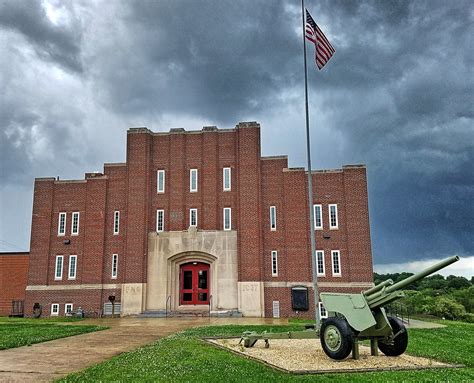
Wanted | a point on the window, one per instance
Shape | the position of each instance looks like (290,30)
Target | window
(193,217)
(227,218)
(160,181)
(318,218)
(116,222)
(72,267)
(62,224)
(322,311)
(336,263)
(320,263)
(193,180)
(333,222)
(75,223)
(58,274)
(274,264)
(227,180)
(68,308)
(114,265)
(273,218)
(160,221)
(55,309)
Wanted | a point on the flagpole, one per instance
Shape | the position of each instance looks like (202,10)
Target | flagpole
(310,182)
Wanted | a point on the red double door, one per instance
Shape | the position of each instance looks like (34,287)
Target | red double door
(194,284)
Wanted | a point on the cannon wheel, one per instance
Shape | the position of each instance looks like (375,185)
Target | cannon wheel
(336,338)
(400,343)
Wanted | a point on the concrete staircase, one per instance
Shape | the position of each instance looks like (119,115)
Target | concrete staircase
(191,313)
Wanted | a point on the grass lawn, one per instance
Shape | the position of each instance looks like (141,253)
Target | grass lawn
(16,332)
(184,357)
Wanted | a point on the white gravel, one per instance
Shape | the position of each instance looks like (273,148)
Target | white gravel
(302,355)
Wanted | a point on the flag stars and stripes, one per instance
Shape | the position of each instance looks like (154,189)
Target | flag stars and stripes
(324,50)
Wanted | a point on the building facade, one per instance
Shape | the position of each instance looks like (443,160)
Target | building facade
(13,277)
(196,220)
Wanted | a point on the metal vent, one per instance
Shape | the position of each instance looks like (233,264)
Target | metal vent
(108,308)
(276,309)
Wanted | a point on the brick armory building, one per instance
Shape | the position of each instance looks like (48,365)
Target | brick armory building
(192,219)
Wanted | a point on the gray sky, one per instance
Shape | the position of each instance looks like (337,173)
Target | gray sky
(397,96)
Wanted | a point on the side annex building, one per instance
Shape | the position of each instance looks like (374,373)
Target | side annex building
(197,220)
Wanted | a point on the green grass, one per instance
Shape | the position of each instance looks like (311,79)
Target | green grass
(16,332)
(184,357)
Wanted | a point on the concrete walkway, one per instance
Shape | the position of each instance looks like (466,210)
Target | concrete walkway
(47,361)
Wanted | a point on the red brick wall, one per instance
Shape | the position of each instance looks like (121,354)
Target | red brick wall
(13,276)
(257,183)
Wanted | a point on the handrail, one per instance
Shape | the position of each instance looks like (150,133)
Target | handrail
(210,303)
(168,300)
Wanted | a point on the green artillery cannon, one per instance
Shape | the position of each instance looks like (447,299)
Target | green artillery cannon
(356,317)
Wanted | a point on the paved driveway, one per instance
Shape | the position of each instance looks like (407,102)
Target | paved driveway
(44,362)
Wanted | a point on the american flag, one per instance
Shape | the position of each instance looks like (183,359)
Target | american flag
(324,49)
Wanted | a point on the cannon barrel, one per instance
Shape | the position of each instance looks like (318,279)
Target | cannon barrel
(416,277)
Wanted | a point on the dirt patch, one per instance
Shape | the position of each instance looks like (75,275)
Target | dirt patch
(307,356)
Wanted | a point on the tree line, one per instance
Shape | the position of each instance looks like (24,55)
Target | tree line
(450,298)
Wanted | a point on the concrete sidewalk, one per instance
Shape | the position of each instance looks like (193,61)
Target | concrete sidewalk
(44,362)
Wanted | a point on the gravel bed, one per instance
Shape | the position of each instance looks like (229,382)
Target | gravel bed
(306,355)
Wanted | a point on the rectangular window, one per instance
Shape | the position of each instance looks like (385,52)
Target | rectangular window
(193,217)
(114,265)
(273,218)
(58,273)
(72,267)
(320,261)
(55,309)
(160,221)
(336,263)
(116,222)
(322,311)
(68,308)
(193,180)
(160,181)
(318,217)
(62,224)
(226,177)
(227,218)
(75,223)
(333,221)
(274,264)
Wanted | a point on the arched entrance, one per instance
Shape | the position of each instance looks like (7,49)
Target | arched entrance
(194,283)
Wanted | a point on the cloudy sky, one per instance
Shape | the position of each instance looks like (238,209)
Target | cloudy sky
(397,96)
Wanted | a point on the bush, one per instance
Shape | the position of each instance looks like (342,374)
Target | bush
(467,317)
(448,308)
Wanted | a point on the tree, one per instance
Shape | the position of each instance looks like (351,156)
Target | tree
(448,308)
(457,283)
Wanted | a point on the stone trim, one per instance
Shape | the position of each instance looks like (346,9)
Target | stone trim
(320,284)
(98,286)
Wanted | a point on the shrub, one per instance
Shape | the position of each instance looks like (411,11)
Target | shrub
(448,308)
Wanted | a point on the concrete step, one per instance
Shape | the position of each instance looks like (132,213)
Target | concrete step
(191,314)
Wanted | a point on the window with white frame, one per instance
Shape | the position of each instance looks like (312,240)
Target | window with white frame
(318,217)
(227,179)
(55,309)
(193,217)
(116,222)
(336,262)
(193,180)
(333,221)
(322,311)
(75,223)
(273,218)
(62,224)
(227,218)
(58,270)
(274,263)
(320,262)
(68,308)
(114,265)
(72,267)
(160,220)
(160,181)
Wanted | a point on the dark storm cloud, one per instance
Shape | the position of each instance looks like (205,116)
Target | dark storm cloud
(397,96)
(60,44)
